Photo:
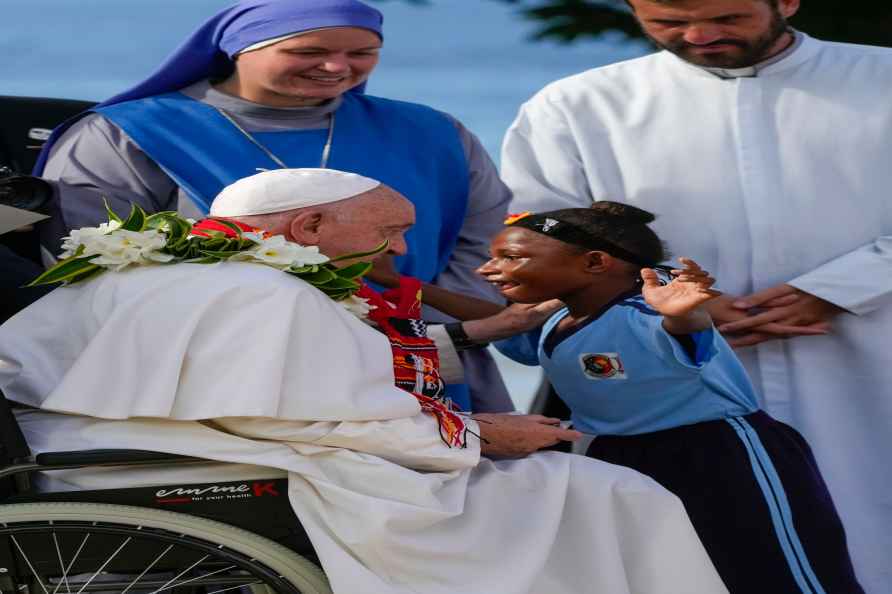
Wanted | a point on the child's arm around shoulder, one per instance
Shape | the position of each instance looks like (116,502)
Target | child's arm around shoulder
(457,305)
(680,302)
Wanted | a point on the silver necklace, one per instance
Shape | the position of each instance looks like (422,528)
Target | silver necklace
(326,150)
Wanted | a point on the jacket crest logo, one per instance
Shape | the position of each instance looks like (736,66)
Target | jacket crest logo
(602,366)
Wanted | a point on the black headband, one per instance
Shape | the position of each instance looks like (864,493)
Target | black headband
(552,226)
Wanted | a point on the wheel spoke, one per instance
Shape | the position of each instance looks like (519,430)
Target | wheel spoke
(147,569)
(28,561)
(107,561)
(203,576)
(64,579)
(179,575)
(234,588)
(77,554)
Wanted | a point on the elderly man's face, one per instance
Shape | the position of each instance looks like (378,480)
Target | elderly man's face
(365,222)
(308,69)
(717,33)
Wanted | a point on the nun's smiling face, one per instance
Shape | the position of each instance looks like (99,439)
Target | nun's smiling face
(305,70)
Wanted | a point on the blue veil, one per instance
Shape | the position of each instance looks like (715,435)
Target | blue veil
(208,52)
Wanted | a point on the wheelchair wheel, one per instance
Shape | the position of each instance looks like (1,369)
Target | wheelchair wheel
(63,548)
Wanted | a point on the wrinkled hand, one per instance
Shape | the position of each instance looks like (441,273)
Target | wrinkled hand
(689,289)
(777,312)
(516,436)
(783,311)
(384,272)
(722,311)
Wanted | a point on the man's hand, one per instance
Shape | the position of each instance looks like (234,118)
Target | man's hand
(785,310)
(516,436)
(777,312)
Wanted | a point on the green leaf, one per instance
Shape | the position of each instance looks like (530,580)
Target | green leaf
(136,220)
(64,271)
(374,252)
(111,214)
(339,283)
(320,277)
(354,270)
(85,274)
(337,295)
(177,227)
(223,254)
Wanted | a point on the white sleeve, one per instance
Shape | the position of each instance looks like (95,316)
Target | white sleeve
(541,162)
(860,281)
(413,442)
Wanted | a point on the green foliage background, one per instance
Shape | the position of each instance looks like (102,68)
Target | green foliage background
(852,21)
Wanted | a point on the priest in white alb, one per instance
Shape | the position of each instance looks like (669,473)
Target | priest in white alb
(767,156)
(267,357)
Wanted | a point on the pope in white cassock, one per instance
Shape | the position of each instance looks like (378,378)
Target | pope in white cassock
(767,156)
(241,362)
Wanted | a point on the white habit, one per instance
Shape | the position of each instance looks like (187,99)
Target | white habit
(783,177)
(242,363)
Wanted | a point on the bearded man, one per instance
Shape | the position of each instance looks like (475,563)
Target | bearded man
(765,154)
(240,361)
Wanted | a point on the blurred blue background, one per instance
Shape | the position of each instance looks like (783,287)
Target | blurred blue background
(471,58)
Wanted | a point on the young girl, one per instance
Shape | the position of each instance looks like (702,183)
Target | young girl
(641,366)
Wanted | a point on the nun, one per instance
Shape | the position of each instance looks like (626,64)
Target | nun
(273,84)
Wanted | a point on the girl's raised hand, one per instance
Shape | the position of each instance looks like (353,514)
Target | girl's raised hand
(689,289)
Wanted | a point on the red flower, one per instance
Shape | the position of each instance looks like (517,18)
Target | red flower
(513,218)
(203,226)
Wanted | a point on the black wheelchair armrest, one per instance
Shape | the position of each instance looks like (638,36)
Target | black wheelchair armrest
(107,457)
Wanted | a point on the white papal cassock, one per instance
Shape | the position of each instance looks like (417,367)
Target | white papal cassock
(242,363)
(783,177)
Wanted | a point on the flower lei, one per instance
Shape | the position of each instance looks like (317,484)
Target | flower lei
(167,238)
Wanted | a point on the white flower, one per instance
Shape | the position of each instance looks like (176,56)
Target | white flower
(358,306)
(255,236)
(279,253)
(83,235)
(120,248)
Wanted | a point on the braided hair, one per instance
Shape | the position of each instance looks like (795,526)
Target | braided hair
(617,229)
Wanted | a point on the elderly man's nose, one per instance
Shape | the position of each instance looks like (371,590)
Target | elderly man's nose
(702,33)
(398,247)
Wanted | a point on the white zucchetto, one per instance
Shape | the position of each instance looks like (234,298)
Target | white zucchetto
(286,189)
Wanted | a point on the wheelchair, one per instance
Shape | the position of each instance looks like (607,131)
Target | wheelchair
(202,538)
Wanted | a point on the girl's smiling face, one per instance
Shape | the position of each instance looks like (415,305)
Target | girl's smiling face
(528,267)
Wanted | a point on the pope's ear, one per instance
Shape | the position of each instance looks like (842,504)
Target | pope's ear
(305,228)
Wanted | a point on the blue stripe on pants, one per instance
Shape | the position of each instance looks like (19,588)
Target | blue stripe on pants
(781,514)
